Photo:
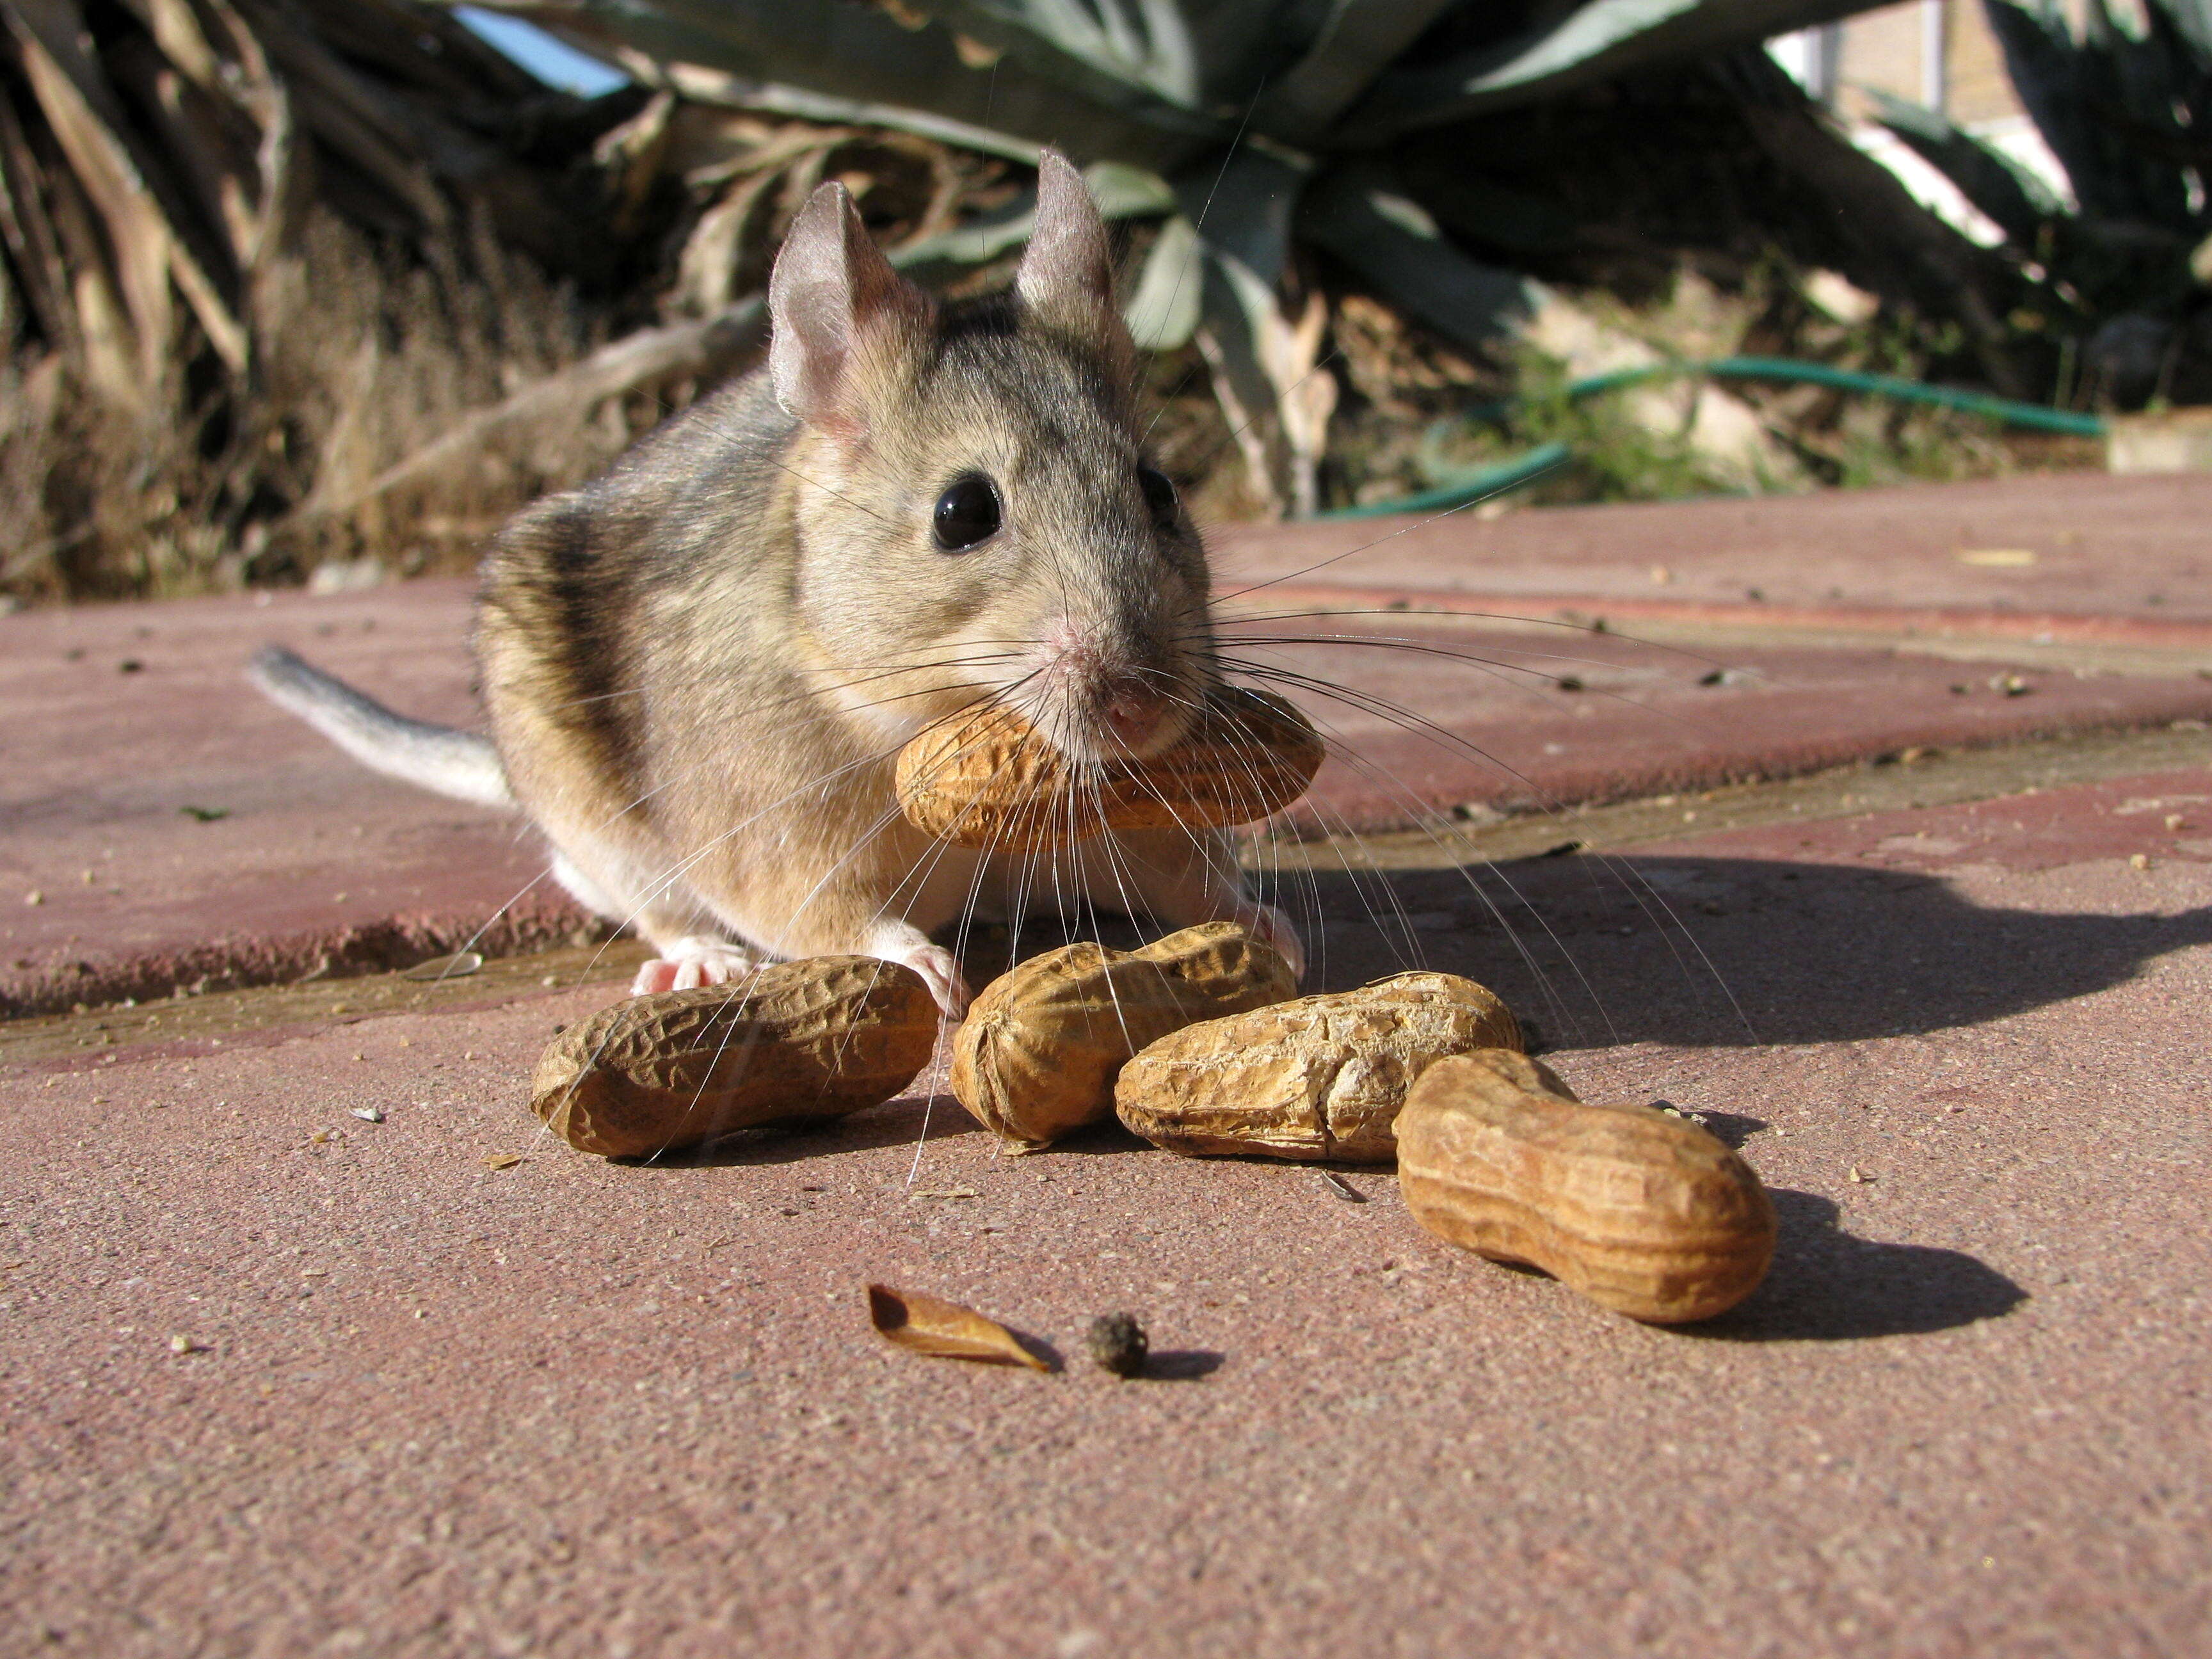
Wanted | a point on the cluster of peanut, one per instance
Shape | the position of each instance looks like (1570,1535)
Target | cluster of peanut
(1197,1041)
(1196,1044)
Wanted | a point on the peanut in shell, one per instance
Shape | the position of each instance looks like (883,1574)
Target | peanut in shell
(811,1039)
(1038,1053)
(1319,1079)
(1642,1212)
(987,778)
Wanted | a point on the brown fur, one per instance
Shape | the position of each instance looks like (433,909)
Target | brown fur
(700,668)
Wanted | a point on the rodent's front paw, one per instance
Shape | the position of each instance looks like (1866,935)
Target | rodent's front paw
(693,962)
(908,945)
(1272,928)
(940,971)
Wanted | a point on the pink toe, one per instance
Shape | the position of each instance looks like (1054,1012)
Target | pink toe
(654,977)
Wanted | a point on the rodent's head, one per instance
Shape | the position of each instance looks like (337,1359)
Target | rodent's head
(976,517)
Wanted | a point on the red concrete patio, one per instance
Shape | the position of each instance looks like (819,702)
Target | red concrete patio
(425,1405)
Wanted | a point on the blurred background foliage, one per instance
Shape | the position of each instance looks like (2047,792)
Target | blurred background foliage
(323,289)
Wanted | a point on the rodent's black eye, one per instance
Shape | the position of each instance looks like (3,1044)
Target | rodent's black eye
(967,513)
(1159,492)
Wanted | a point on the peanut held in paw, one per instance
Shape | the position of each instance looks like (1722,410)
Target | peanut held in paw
(1037,1054)
(818,1038)
(1320,1078)
(1643,1213)
(988,778)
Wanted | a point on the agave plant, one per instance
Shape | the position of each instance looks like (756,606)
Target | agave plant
(188,396)
(1243,127)
(2125,105)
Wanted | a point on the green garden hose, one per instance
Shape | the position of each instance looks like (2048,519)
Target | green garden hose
(1526,469)
(1467,488)
(2036,416)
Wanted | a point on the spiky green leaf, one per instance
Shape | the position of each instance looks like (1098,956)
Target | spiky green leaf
(1359,214)
(2017,201)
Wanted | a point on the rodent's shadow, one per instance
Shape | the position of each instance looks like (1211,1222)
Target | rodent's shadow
(1719,951)
(1826,1285)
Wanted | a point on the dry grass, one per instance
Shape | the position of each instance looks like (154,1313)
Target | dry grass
(365,356)
(362,359)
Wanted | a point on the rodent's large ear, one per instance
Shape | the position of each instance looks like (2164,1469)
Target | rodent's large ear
(1067,277)
(834,302)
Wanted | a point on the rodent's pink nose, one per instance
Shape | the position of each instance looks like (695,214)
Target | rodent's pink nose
(1133,712)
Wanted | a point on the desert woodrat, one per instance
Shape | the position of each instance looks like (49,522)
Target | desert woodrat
(987,778)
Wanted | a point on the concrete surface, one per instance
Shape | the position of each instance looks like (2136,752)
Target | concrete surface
(314,861)
(426,1405)
(297,855)
(2112,549)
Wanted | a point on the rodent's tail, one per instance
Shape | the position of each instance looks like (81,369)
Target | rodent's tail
(435,757)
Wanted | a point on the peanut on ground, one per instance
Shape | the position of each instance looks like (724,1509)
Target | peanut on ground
(1320,1078)
(1038,1053)
(817,1038)
(1644,1213)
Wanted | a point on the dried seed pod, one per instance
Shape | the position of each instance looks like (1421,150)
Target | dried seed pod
(817,1038)
(988,778)
(1117,1343)
(1643,1213)
(931,1325)
(1037,1054)
(1320,1078)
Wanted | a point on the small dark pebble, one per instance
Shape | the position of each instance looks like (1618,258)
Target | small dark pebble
(1117,1342)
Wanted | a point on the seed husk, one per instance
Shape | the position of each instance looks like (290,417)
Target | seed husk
(944,1330)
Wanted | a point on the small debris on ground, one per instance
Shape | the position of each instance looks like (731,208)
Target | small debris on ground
(367,1114)
(1117,1343)
(455,966)
(502,1160)
(1343,1189)
(929,1325)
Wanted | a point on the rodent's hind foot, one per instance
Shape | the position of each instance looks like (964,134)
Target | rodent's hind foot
(1272,928)
(693,962)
